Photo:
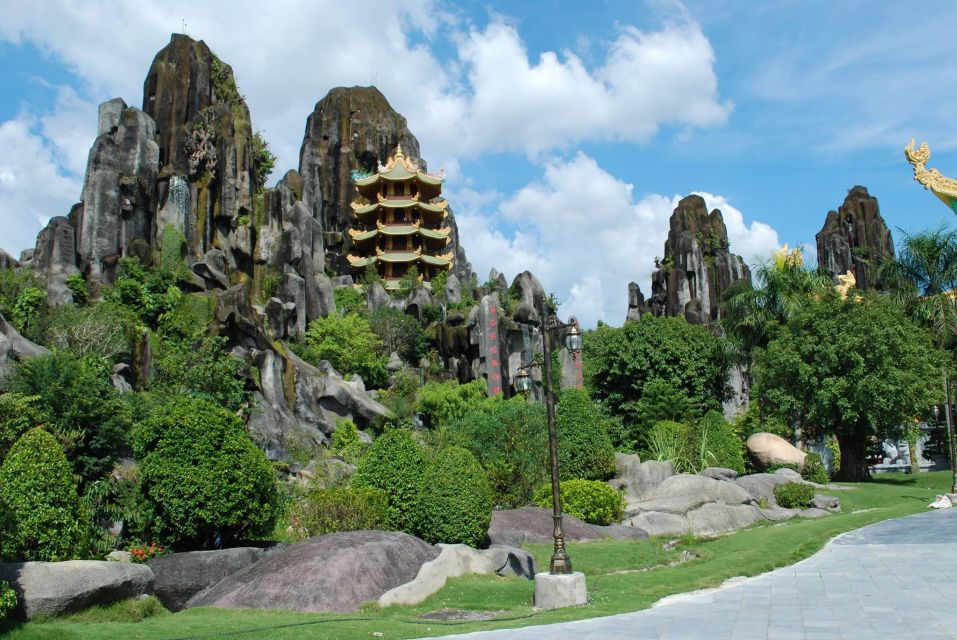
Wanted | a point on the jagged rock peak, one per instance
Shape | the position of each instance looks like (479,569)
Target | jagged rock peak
(697,267)
(855,238)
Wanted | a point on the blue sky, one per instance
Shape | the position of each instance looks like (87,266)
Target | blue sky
(568,130)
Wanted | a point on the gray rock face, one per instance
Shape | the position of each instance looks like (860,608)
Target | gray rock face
(636,303)
(719,473)
(681,493)
(621,532)
(7,261)
(698,266)
(15,348)
(377,297)
(829,503)
(531,298)
(855,238)
(761,486)
(333,573)
(56,588)
(636,478)
(54,259)
(514,527)
(118,193)
(659,523)
(180,576)
(714,519)
(418,299)
(453,290)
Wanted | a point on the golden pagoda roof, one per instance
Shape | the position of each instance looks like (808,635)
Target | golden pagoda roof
(943,187)
(399,168)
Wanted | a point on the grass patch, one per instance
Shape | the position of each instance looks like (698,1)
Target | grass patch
(611,568)
(133,610)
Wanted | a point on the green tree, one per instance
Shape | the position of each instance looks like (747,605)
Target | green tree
(18,414)
(584,449)
(853,368)
(38,491)
(400,333)
(201,367)
(349,344)
(204,484)
(619,362)
(753,313)
(79,406)
(661,401)
(394,464)
(442,403)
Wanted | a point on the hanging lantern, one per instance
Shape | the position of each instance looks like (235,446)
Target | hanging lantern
(523,382)
(573,339)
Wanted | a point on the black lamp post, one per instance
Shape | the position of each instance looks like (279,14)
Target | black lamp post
(560,562)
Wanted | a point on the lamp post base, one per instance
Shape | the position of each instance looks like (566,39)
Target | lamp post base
(554,591)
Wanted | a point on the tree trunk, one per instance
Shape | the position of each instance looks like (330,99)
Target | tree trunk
(853,461)
(912,455)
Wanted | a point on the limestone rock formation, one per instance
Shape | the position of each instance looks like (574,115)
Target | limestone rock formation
(353,128)
(15,348)
(697,267)
(767,449)
(855,238)
(333,573)
(636,303)
(54,258)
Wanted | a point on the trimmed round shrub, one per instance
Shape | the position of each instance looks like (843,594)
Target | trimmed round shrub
(325,511)
(8,600)
(589,500)
(39,497)
(394,464)
(794,495)
(585,450)
(455,501)
(18,414)
(203,483)
(719,443)
(814,469)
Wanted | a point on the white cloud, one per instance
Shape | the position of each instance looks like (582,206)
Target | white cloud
(581,231)
(32,188)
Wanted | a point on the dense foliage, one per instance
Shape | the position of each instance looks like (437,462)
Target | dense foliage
(675,442)
(620,362)
(325,511)
(39,497)
(813,469)
(204,483)
(659,401)
(510,439)
(442,403)
(588,500)
(18,414)
(346,442)
(852,368)
(455,501)
(720,444)
(394,464)
(200,367)
(8,600)
(400,333)
(584,448)
(349,344)
(79,406)
(794,495)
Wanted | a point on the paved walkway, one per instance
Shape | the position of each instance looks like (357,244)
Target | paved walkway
(895,579)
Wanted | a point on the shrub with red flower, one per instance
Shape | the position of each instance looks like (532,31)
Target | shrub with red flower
(143,553)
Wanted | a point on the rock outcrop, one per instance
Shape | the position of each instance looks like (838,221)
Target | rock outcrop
(54,258)
(534,525)
(855,238)
(15,348)
(767,449)
(56,588)
(180,576)
(333,573)
(697,267)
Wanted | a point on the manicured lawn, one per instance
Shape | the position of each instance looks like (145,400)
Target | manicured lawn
(616,582)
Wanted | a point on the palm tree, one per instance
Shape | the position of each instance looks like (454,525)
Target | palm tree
(923,279)
(751,313)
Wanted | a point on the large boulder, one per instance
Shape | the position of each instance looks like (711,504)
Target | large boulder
(682,493)
(531,298)
(15,348)
(715,518)
(761,486)
(657,523)
(636,478)
(534,525)
(458,560)
(767,449)
(180,576)
(719,473)
(333,573)
(56,588)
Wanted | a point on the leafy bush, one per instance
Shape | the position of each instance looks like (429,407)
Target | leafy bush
(399,333)
(204,484)
(584,448)
(79,406)
(589,500)
(102,330)
(201,367)
(794,495)
(510,439)
(18,414)
(813,469)
(455,501)
(8,600)
(14,282)
(115,498)
(756,420)
(349,300)
(399,398)
(325,511)
(661,401)
(350,346)
(346,442)
(264,160)
(76,283)
(28,308)
(771,468)
(147,293)
(394,464)
(445,402)
(720,443)
(675,442)
(39,494)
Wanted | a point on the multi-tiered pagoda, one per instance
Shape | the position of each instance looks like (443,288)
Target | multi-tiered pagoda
(398,222)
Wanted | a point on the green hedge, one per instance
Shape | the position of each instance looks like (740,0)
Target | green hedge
(794,495)
(585,450)
(8,600)
(330,510)
(38,498)
(203,482)
(814,469)
(394,464)
(455,501)
(589,500)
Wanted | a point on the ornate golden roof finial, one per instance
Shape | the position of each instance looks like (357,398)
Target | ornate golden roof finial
(931,178)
